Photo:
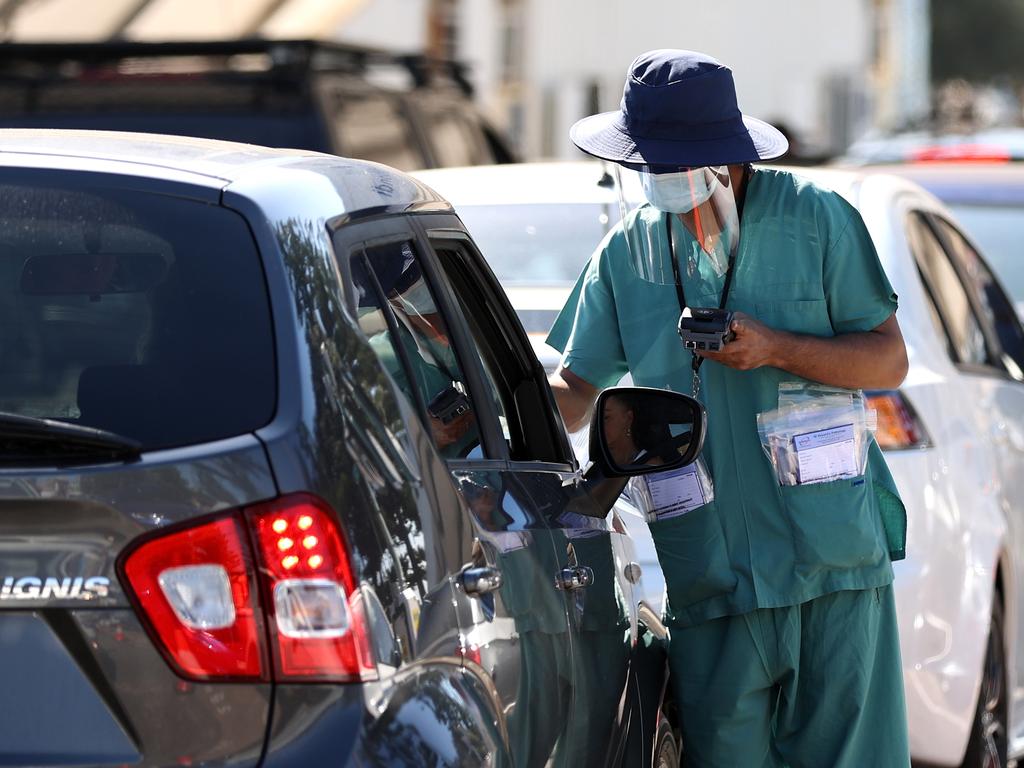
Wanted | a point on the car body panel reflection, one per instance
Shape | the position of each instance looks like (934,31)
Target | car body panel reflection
(529,631)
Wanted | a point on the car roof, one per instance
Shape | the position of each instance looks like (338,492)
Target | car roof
(965,183)
(209,162)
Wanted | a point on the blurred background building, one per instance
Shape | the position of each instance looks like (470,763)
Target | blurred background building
(826,72)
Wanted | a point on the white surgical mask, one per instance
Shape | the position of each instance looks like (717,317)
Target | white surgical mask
(678,192)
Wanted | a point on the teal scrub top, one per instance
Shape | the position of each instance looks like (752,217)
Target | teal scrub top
(805,264)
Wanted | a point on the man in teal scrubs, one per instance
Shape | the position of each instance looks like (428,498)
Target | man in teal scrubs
(784,646)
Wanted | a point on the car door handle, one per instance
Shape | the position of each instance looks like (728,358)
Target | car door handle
(477,581)
(577,577)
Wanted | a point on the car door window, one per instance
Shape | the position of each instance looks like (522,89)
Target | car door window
(956,318)
(400,316)
(514,379)
(992,302)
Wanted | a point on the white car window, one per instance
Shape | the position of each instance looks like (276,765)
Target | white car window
(995,307)
(957,321)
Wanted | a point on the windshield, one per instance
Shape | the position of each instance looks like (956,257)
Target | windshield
(141,314)
(998,230)
(545,244)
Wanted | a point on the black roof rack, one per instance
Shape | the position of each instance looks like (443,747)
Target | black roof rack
(46,59)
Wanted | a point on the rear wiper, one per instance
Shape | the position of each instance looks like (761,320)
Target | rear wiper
(28,439)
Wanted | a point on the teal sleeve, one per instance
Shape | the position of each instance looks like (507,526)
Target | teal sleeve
(586,331)
(561,329)
(857,290)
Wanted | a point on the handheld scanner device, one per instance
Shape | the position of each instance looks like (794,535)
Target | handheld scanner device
(705,328)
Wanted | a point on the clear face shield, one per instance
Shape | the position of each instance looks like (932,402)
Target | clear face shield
(706,229)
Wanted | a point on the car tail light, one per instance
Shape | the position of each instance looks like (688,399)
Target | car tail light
(960,153)
(197,587)
(899,427)
(318,623)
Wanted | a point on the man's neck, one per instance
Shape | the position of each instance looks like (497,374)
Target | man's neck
(739,176)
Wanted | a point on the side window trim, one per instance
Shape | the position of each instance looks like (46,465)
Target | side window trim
(926,219)
(391,320)
(351,241)
(449,232)
(487,421)
(994,345)
(951,350)
(347,239)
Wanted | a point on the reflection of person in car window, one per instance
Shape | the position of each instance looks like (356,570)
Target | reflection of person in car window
(619,416)
(422,343)
(633,439)
(543,692)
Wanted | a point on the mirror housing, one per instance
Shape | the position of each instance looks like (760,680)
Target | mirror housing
(638,430)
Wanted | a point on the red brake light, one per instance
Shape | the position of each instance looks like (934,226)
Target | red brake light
(960,153)
(319,628)
(197,589)
(898,424)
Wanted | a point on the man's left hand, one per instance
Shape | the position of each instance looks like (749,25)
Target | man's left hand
(753,347)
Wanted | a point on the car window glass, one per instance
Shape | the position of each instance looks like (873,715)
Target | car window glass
(538,244)
(996,229)
(966,339)
(995,306)
(400,317)
(373,128)
(142,314)
(513,387)
(498,393)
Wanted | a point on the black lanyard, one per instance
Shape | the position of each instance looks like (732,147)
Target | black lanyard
(729,270)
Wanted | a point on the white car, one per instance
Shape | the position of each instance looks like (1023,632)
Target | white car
(953,433)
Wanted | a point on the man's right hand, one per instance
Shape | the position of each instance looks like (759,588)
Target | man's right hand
(575,397)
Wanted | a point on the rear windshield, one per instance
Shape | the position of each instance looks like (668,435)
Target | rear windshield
(142,314)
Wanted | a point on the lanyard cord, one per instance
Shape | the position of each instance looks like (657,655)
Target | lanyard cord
(697,360)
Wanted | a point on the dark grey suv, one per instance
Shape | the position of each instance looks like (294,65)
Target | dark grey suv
(282,483)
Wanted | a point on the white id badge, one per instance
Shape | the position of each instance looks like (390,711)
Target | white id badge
(678,491)
(826,454)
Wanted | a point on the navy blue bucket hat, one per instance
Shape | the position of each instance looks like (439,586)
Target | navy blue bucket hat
(678,109)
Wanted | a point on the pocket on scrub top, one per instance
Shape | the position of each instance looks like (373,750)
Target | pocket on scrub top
(810,316)
(836,524)
(693,556)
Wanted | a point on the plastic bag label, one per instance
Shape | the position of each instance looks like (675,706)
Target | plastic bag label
(826,454)
(675,492)
(817,434)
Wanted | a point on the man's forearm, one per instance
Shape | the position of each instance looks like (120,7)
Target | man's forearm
(868,360)
(574,397)
(875,359)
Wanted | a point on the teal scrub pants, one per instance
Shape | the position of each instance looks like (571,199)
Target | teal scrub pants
(817,685)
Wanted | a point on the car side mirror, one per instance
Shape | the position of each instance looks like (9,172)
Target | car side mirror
(637,430)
